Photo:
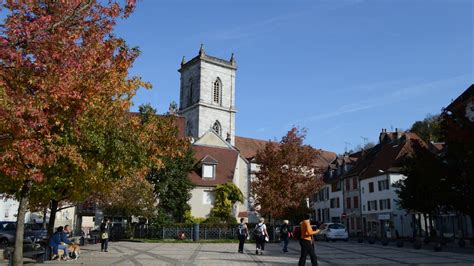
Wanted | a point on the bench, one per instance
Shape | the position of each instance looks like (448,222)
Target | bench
(37,255)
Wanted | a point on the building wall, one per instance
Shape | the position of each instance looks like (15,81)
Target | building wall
(8,209)
(241,180)
(353,220)
(336,213)
(394,219)
(198,207)
(321,204)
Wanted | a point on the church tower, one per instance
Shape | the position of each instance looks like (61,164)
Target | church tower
(207,95)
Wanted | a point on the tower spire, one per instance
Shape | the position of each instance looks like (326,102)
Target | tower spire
(183,61)
(201,50)
(232,59)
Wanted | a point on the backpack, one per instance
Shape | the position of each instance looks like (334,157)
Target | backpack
(258,231)
(284,230)
(297,233)
(241,230)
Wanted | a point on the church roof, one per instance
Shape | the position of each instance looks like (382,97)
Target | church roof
(249,147)
(226,160)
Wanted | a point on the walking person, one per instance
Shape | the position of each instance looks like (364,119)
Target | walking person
(285,234)
(306,242)
(261,234)
(243,232)
(104,235)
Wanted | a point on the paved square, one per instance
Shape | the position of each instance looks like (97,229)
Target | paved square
(329,253)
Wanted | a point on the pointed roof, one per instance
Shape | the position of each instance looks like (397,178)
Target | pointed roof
(386,156)
(249,147)
(224,169)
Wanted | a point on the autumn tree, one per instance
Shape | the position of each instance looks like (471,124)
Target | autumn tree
(226,196)
(59,59)
(287,175)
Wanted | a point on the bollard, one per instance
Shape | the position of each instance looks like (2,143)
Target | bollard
(81,241)
(438,247)
(10,257)
(196,232)
(462,243)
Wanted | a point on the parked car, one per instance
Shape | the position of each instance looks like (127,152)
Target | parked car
(332,231)
(8,231)
(37,231)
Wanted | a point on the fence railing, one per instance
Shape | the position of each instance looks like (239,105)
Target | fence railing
(206,232)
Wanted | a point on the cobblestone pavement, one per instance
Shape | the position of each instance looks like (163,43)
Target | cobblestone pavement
(329,253)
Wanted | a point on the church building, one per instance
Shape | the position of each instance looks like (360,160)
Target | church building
(207,103)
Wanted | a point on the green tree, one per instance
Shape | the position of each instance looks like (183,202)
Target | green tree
(170,179)
(459,157)
(172,186)
(429,129)
(226,196)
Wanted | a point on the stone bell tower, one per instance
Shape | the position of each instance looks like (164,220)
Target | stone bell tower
(207,95)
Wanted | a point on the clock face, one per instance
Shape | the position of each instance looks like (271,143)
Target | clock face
(470,111)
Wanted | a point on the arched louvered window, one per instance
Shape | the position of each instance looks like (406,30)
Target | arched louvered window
(216,92)
(217,127)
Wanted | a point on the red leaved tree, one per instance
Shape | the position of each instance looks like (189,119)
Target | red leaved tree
(287,176)
(57,59)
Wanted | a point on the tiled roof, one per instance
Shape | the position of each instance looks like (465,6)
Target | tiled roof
(248,147)
(243,214)
(325,158)
(464,97)
(385,157)
(226,162)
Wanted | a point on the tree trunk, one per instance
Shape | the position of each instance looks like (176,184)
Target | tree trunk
(52,217)
(20,223)
(45,212)
(472,225)
(426,225)
(431,224)
(419,225)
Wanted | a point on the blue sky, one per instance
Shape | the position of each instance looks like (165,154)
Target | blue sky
(343,69)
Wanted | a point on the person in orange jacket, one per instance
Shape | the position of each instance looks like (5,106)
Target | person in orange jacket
(306,242)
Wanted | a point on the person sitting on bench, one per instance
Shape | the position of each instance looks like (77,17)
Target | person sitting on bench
(59,241)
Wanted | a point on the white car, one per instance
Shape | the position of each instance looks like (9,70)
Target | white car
(333,231)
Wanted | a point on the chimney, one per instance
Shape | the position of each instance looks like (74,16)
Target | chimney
(228,138)
(382,135)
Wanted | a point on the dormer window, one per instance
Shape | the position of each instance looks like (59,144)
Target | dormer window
(208,171)
(208,167)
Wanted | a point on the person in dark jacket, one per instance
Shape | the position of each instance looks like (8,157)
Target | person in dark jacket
(59,241)
(242,232)
(285,234)
(104,235)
